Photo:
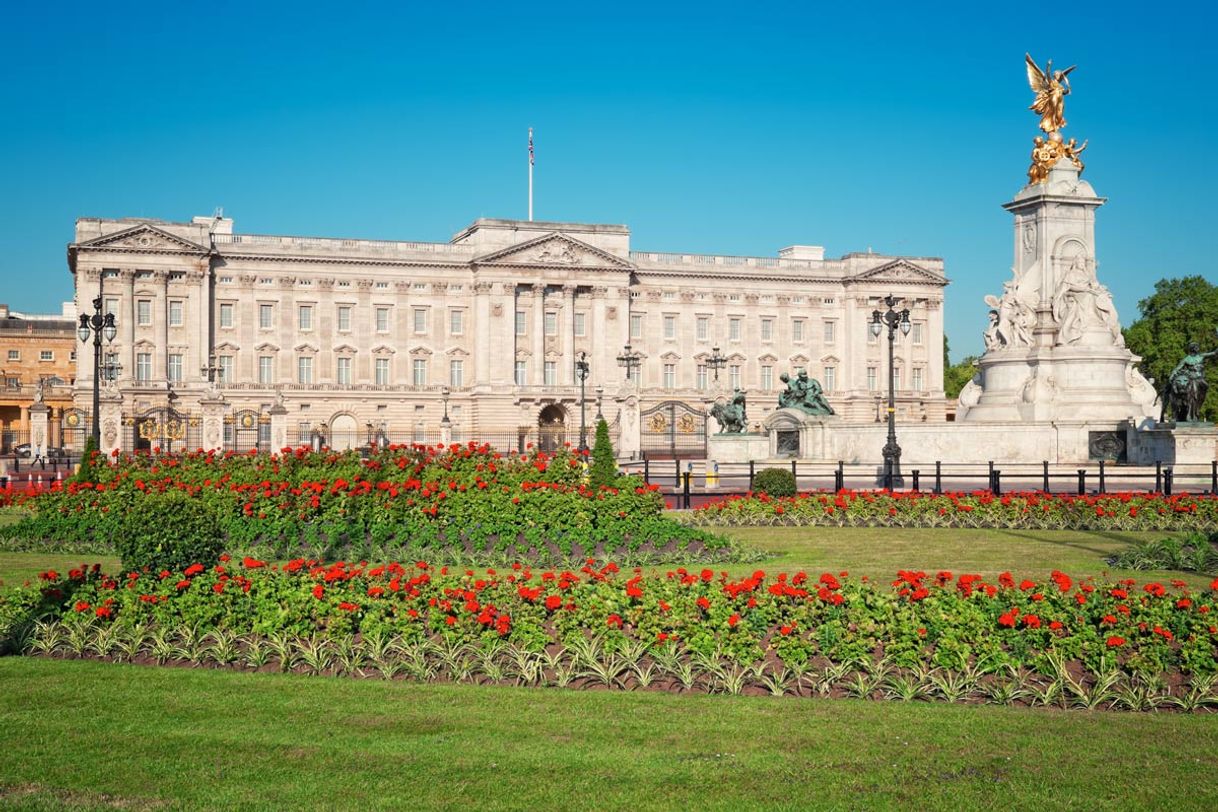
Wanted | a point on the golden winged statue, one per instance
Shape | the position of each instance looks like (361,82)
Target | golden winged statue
(1051,88)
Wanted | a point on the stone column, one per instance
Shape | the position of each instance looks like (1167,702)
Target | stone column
(539,333)
(279,426)
(213,407)
(600,339)
(566,332)
(39,429)
(111,417)
(630,439)
(482,331)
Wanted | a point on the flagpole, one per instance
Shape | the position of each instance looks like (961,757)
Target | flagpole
(530,174)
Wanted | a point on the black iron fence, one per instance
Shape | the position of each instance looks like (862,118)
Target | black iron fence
(691,482)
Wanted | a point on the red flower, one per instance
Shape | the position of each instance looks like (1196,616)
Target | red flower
(218,587)
(104,611)
(703,603)
(319,592)
(733,620)
(614,621)
(1116,642)
(81,606)
(553,603)
(185,584)
(192,570)
(349,607)
(252,563)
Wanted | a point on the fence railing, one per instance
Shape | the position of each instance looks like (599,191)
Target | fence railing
(696,482)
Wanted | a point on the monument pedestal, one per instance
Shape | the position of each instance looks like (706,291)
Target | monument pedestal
(1174,444)
(795,433)
(737,447)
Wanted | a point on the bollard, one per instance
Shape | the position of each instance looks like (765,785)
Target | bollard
(752,470)
(646,471)
(1167,478)
(1082,481)
(1045,476)
(1213,477)
(839,477)
(1102,482)
(686,490)
(938,477)
(1158,477)
(794,474)
(997,484)
(676,480)
(915,479)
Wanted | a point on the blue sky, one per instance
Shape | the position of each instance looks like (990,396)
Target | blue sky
(710,127)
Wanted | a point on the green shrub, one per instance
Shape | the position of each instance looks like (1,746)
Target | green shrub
(85,472)
(168,531)
(774,482)
(604,465)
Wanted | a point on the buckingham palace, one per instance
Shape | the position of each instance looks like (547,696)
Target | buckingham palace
(234,340)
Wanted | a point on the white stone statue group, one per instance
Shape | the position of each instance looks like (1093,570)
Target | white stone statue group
(1080,303)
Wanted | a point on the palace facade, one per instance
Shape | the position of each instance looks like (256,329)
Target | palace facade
(37,351)
(236,339)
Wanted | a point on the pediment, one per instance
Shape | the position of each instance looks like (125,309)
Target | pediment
(306,347)
(670,356)
(555,249)
(382,349)
(456,352)
(799,360)
(266,346)
(147,238)
(420,351)
(830,359)
(768,358)
(345,348)
(228,346)
(900,270)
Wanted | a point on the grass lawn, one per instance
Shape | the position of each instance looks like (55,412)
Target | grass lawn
(85,734)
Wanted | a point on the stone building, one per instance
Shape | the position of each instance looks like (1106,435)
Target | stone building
(234,339)
(35,349)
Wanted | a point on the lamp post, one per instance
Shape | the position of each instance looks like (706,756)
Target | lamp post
(630,360)
(893,319)
(716,361)
(582,368)
(95,325)
(600,396)
(210,369)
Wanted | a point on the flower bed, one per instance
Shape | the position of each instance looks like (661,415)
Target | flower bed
(1057,641)
(402,501)
(1025,510)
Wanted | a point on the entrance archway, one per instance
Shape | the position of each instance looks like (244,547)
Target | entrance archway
(552,428)
(344,433)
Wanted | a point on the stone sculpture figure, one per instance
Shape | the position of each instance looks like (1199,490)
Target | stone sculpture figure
(731,415)
(1011,326)
(803,393)
(1081,300)
(1187,387)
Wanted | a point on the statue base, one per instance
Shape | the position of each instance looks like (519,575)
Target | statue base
(1174,444)
(796,434)
(737,447)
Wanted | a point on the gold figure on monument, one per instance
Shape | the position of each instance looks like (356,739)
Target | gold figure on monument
(1051,88)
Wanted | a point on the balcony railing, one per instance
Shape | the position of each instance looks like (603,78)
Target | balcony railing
(344,246)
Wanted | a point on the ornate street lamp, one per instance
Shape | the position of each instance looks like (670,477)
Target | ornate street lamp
(210,369)
(444,421)
(893,319)
(630,360)
(716,362)
(600,396)
(95,325)
(582,368)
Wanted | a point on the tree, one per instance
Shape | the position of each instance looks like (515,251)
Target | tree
(1178,312)
(604,464)
(955,376)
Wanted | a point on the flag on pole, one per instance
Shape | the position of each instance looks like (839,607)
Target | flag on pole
(531,161)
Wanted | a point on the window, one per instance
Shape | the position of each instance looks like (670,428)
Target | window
(344,317)
(579,325)
(226,369)
(111,307)
(670,376)
(72,355)
(670,328)
(522,373)
(521,321)
(175,367)
(733,329)
(305,317)
(175,314)
(382,372)
(14,355)
(551,323)
(703,328)
(143,312)
(830,379)
(896,377)
(266,369)
(831,332)
(342,371)
(702,382)
(456,373)
(143,366)
(304,369)
(871,378)
(767,329)
(733,376)
(767,378)
(636,325)
(550,370)
(419,371)
(382,319)
(916,332)
(266,316)
(797,329)
(46,355)
(226,315)
(420,320)
(456,322)
(917,379)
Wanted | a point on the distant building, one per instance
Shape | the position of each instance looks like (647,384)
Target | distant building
(358,338)
(33,348)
